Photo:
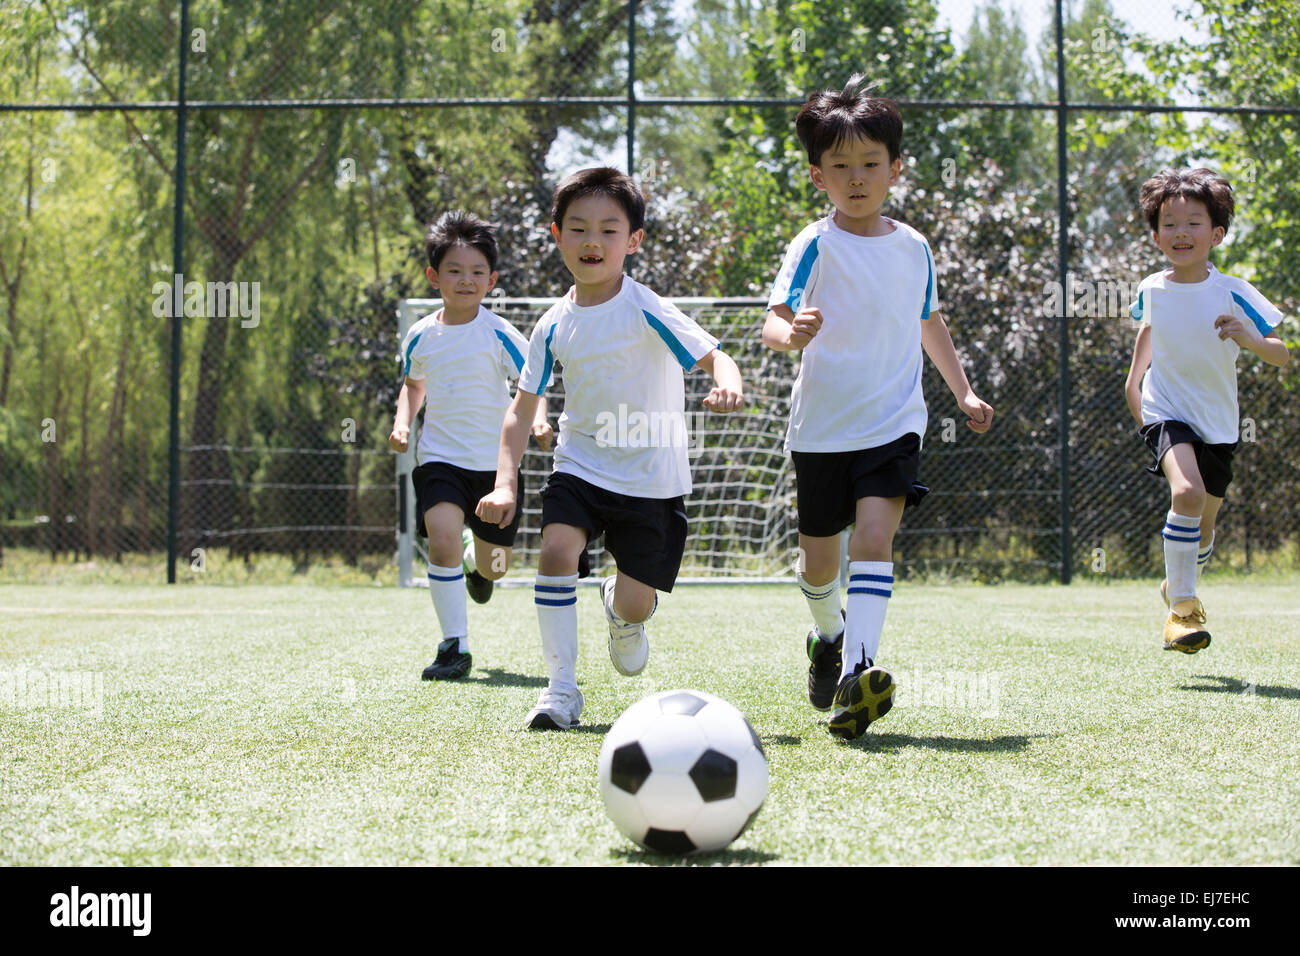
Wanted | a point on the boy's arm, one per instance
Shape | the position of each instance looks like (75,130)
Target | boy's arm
(728,393)
(1269,347)
(937,343)
(409,400)
(1137,368)
(785,331)
(498,507)
(541,428)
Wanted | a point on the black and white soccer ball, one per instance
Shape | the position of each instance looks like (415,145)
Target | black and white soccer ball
(682,772)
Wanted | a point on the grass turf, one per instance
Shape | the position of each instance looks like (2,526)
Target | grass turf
(268,725)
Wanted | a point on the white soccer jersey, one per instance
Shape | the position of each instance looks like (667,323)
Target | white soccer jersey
(624,423)
(859,381)
(1193,373)
(465,369)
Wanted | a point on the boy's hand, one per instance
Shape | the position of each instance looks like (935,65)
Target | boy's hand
(805,326)
(979,413)
(543,434)
(399,437)
(497,507)
(723,400)
(1231,327)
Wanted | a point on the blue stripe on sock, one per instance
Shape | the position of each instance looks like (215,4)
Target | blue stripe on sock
(872,577)
(556,589)
(817,595)
(450,577)
(559,603)
(1183,536)
(871,591)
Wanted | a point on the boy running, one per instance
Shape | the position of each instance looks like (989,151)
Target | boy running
(624,350)
(466,354)
(1182,383)
(857,294)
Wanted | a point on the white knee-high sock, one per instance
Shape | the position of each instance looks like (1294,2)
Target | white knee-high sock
(870,585)
(557,617)
(447,588)
(824,602)
(1182,535)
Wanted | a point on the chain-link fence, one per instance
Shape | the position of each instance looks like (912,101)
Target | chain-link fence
(306,147)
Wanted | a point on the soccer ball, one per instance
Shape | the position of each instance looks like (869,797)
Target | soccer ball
(682,772)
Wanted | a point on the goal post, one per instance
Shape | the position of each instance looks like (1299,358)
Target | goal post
(741,509)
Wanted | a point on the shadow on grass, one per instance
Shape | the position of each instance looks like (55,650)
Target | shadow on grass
(1012,743)
(785,740)
(739,857)
(1236,685)
(496,677)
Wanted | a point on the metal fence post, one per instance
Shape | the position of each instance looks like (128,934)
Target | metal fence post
(178,269)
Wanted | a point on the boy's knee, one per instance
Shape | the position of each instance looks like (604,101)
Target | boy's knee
(1189,498)
(871,543)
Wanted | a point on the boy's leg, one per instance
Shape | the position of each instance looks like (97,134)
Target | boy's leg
(442,524)
(818,574)
(866,691)
(1184,629)
(491,560)
(1208,518)
(555,595)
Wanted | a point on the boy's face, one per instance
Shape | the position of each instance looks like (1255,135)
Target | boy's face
(463,277)
(594,239)
(1185,233)
(856,174)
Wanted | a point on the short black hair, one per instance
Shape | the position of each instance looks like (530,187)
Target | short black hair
(458,228)
(1204,185)
(600,181)
(830,117)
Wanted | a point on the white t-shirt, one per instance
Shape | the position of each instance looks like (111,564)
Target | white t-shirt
(1193,373)
(624,422)
(465,369)
(859,382)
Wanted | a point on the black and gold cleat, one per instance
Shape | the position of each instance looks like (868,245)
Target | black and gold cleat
(1185,628)
(863,697)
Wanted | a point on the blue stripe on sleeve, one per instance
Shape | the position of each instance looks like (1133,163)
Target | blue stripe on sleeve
(794,298)
(511,350)
(1135,310)
(929,283)
(549,363)
(1252,313)
(680,352)
(406,369)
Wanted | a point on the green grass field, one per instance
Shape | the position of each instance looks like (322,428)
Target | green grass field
(288,725)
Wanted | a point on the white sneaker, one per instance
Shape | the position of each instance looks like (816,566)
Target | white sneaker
(629,648)
(555,710)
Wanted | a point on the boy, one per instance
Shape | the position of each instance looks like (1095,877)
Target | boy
(467,354)
(857,294)
(1182,383)
(621,345)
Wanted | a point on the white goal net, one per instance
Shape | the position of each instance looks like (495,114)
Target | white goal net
(742,508)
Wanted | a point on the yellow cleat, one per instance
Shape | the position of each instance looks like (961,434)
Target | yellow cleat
(1185,628)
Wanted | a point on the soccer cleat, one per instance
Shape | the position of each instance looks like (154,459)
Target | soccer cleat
(555,710)
(824,671)
(629,648)
(1186,632)
(450,664)
(477,587)
(863,697)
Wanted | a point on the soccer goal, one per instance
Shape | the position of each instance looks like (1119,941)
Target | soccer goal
(742,508)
